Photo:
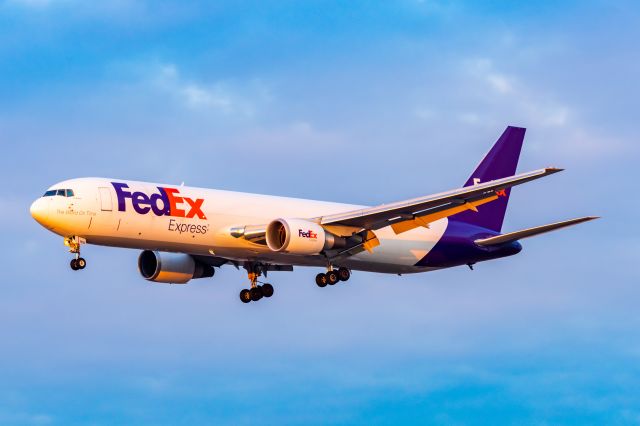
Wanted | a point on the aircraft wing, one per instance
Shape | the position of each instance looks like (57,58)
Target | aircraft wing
(405,215)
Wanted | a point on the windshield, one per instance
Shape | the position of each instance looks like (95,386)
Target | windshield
(61,192)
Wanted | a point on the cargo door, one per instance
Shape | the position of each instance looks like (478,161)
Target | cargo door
(106,204)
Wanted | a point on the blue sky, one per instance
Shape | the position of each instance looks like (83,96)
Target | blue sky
(360,102)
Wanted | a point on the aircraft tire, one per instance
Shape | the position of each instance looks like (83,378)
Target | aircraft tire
(81,263)
(321,280)
(344,274)
(332,277)
(256,293)
(74,264)
(245,296)
(267,290)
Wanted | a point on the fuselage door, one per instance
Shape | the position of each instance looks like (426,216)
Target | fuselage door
(106,205)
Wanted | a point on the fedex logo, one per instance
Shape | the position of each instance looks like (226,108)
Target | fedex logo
(307,234)
(166,203)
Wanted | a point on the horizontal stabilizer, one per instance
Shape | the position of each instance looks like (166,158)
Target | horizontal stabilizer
(525,233)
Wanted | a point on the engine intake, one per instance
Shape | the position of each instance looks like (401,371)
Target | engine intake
(299,236)
(175,268)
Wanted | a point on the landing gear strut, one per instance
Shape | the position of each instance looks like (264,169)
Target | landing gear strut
(258,290)
(74,247)
(332,277)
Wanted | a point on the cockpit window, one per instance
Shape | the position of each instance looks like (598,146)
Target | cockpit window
(61,192)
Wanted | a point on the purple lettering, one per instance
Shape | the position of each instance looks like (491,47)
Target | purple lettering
(122,194)
(165,210)
(140,199)
(165,203)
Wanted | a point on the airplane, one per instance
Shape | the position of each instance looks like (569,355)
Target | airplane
(186,232)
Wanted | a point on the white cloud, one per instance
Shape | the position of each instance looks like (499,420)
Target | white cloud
(469,118)
(513,98)
(296,135)
(221,97)
(534,106)
(425,113)
(499,82)
(198,96)
(486,95)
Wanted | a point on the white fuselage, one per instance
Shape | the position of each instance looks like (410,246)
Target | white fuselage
(94,212)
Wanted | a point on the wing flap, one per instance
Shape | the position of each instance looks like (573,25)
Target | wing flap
(425,220)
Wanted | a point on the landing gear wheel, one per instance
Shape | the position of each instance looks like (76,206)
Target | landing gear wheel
(81,263)
(321,280)
(267,290)
(74,264)
(332,277)
(256,293)
(245,296)
(344,274)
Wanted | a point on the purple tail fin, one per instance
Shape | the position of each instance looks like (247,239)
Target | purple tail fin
(501,161)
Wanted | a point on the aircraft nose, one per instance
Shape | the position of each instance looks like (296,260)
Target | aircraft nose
(39,210)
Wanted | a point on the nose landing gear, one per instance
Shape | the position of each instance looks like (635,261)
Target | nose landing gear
(332,277)
(74,247)
(257,291)
(78,263)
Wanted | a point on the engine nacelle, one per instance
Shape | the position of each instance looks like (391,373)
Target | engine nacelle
(174,268)
(299,236)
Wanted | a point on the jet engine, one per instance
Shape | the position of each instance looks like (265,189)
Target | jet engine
(174,268)
(298,236)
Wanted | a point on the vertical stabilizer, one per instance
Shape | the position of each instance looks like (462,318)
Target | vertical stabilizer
(501,161)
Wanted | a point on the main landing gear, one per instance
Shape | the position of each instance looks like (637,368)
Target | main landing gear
(257,291)
(74,247)
(332,277)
